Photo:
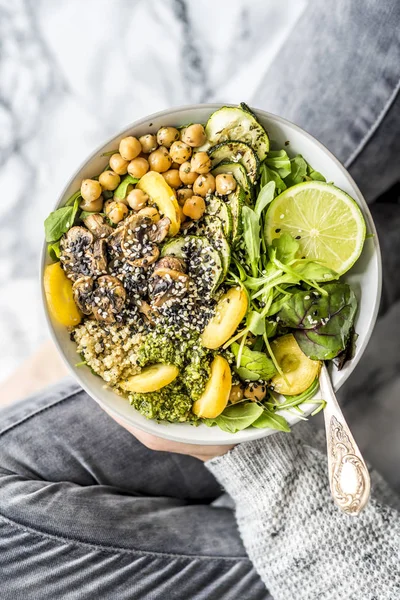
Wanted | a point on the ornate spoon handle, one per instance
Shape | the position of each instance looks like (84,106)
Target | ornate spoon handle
(348,473)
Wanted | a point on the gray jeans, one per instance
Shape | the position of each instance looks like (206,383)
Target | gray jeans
(86,512)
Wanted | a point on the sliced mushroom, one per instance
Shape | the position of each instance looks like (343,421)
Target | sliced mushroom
(83,294)
(159,231)
(148,313)
(167,284)
(114,242)
(108,298)
(138,248)
(100,255)
(96,225)
(76,253)
(170,262)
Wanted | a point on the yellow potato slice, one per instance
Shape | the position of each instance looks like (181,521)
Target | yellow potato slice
(299,370)
(59,296)
(216,393)
(230,310)
(151,379)
(161,194)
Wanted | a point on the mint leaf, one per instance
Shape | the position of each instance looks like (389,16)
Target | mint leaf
(237,417)
(270,420)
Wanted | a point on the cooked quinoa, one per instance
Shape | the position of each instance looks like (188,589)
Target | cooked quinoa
(110,350)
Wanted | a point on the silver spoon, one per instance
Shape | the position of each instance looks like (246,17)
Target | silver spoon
(348,473)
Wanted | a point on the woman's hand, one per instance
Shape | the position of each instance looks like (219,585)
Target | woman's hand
(160,444)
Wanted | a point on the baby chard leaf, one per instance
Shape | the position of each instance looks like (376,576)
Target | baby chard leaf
(322,322)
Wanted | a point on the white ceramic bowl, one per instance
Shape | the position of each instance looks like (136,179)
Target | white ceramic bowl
(364,277)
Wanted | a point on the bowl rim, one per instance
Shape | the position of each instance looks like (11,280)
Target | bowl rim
(251,435)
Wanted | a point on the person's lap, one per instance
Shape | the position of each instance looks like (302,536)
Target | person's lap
(86,511)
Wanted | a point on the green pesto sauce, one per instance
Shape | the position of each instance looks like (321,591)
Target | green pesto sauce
(174,401)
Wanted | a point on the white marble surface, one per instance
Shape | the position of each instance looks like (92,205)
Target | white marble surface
(73,73)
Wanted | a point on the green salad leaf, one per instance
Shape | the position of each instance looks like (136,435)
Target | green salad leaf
(267,175)
(298,171)
(254,365)
(322,323)
(265,197)
(251,237)
(279,161)
(255,322)
(54,250)
(59,221)
(237,417)
(121,190)
(286,248)
(270,420)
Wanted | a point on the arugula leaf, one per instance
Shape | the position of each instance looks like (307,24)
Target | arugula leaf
(267,175)
(121,190)
(251,237)
(286,248)
(54,251)
(237,417)
(257,364)
(59,221)
(270,420)
(255,322)
(298,171)
(315,271)
(279,161)
(322,322)
(265,197)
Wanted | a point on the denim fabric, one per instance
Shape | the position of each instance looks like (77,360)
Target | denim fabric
(86,511)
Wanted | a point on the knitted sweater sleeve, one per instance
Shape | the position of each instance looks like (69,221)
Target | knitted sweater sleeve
(300,544)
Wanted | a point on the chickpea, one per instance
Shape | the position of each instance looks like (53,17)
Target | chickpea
(200,163)
(166,136)
(183,194)
(194,135)
(172,178)
(187,176)
(117,211)
(236,394)
(90,190)
(118,164)
(150,211)
(255,391)
(137,199)
(194,207)
(106,206)
(204,184)
(225,183)
(175,165)
(149,143)
(160,160)
(182,214)
(130,147)
(138,167)
(109,180)
(180,152)
(93,206)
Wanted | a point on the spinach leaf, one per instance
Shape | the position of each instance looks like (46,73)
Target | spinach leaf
(265,197)
(322,322)
(54,251)
(279,161)
(253,363)
(286,248)
(59,221)
(270,420)
(251,237)
(121,191)
(236,417)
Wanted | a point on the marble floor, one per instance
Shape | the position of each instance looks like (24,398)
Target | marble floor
(72,73)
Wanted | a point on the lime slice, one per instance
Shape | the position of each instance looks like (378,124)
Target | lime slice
(326,222)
